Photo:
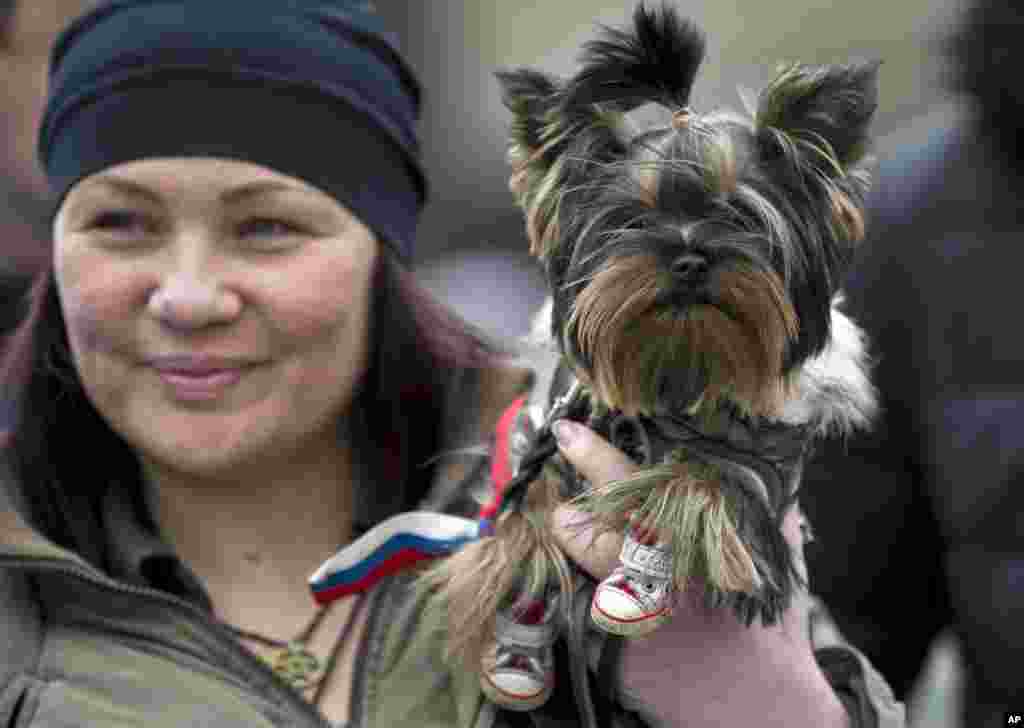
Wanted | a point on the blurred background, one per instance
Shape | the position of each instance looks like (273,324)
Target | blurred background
(472,248)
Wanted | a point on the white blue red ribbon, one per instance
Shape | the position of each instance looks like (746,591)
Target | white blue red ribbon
(390,547)
(414,536)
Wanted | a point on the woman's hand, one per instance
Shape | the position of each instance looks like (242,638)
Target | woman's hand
(703,667)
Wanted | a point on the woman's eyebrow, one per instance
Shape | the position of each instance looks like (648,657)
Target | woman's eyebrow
(255,189)
(230,196)
(128,188)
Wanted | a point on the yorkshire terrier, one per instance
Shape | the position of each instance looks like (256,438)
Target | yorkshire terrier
(694,272)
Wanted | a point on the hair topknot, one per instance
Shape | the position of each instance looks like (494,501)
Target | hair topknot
(657,61)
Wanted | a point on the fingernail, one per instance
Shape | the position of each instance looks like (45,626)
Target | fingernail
(565,432)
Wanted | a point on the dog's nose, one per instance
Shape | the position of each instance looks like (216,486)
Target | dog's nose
(690,266)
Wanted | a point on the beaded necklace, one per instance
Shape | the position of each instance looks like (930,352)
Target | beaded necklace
(292,661)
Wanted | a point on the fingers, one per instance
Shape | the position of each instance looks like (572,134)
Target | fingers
(594,458)
(575,533)
(598,461)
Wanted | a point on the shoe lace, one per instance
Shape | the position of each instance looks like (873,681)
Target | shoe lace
(652,592)
(519,657)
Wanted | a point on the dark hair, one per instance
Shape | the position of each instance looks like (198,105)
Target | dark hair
(13,289)
(417,347)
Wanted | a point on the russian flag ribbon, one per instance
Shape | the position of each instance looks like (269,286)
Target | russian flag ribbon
(389,547)
(407,538)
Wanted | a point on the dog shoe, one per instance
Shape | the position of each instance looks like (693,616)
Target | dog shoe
(637,596)
(519,667)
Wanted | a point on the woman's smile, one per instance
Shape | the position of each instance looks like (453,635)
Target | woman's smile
(200,378)
(200,386)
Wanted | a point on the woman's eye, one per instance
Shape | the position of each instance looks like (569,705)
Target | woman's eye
(119,221)
(269,227)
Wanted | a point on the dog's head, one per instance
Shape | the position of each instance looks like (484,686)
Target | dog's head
(694,263)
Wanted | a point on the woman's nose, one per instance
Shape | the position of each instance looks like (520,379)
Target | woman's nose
(189,299)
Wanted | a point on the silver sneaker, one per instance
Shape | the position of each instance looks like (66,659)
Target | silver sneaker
(518,669)
(638,595)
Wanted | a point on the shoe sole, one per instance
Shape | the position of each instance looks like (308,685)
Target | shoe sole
(627,628)
(511,701)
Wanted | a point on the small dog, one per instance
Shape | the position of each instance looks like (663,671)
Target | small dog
(694,271)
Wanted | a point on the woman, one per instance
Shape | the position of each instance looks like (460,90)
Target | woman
(228,373)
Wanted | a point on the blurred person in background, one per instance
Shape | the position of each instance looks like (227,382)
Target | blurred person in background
(27,31)
(924,518)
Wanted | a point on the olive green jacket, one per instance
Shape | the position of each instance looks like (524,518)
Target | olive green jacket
(136,645)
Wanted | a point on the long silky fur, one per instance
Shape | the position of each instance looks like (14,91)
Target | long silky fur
(490,574)
(714,517)
(685,504)
(832,393)
(642,350)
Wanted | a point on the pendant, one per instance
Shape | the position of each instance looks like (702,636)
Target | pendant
(296,665)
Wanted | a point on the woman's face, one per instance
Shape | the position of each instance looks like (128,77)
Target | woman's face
(217,311)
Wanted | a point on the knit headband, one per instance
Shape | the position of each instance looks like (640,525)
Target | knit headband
(314,89)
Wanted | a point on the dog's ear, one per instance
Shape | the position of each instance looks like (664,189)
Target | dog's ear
(538,136)
(533,98)
(812,138)
(821,111)
(554,147)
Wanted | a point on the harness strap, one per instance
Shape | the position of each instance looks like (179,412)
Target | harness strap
(501,466)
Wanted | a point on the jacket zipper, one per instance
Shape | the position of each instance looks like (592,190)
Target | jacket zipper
(225,639)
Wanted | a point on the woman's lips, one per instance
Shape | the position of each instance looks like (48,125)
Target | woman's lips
(200,385)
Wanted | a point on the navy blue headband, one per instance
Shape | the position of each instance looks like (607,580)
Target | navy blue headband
(310,88)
